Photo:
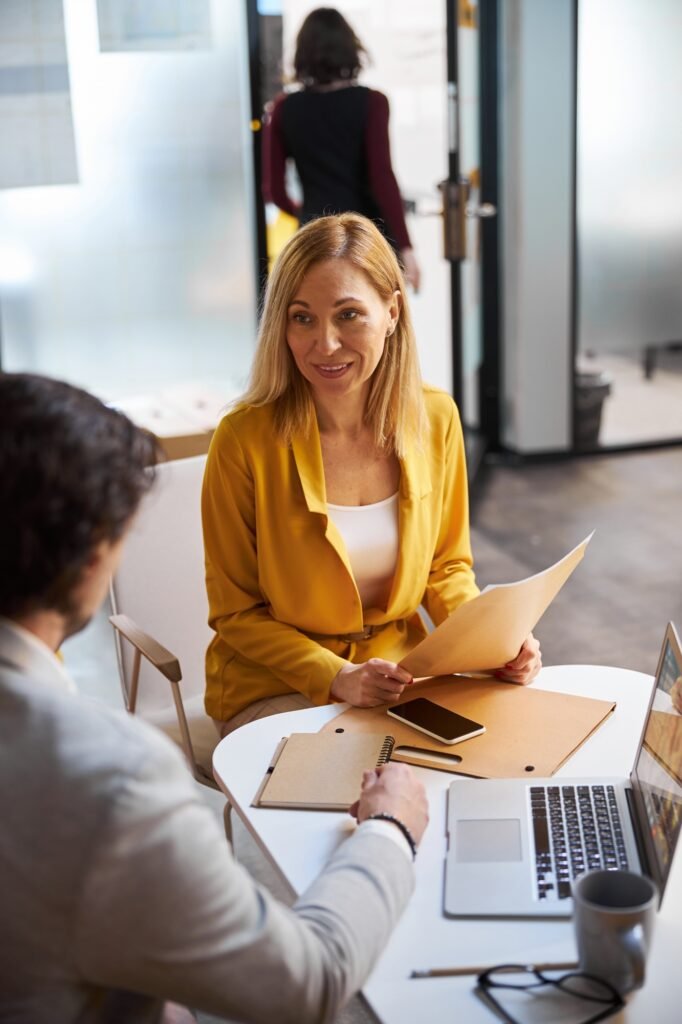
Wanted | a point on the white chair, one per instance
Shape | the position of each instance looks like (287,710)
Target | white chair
(158,597)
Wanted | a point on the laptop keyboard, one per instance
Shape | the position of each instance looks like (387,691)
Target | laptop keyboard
(576,829)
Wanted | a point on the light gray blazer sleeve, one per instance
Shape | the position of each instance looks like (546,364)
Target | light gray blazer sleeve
(166,910)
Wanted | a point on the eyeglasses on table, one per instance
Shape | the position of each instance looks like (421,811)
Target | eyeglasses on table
(605,999)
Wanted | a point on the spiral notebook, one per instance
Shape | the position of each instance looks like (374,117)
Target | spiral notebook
(321,771)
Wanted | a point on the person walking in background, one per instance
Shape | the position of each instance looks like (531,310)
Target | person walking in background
(336,131)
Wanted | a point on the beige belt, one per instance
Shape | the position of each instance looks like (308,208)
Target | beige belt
(351,638)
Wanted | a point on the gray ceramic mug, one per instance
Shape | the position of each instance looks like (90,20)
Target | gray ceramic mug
(614,913)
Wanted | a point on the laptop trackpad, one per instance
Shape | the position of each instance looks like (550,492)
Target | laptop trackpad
(487,839)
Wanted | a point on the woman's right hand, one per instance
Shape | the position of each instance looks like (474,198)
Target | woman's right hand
(371,683)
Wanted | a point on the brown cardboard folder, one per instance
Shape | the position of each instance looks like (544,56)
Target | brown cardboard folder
(321,771)
(528,731)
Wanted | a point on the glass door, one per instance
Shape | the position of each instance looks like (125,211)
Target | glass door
(406,44)
(628,383)
(444,154)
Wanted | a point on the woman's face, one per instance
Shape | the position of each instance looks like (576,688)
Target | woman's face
(336,328)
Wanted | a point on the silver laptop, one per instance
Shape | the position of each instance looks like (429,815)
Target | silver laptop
(514,846)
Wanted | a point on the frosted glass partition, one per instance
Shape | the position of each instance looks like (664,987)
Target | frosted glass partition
(629,188)
(141,274)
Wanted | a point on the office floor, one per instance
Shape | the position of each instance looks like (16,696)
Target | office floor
(614,608)
(612,611)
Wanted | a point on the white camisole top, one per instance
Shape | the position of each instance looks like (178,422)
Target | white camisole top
(370,533)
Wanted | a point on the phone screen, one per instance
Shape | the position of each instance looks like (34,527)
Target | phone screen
(435,720)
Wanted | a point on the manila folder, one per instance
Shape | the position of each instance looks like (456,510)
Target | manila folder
(488,631)
(528,731)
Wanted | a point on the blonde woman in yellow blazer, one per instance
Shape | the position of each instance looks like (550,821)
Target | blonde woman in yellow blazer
(336,413)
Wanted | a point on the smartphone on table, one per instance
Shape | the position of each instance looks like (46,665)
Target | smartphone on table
(437,722)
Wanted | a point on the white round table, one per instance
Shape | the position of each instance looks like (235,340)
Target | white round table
(300,842)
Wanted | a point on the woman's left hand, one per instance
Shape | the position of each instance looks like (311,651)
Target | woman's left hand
(525,666)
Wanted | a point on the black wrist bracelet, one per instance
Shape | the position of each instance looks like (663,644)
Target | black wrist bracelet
(385,816)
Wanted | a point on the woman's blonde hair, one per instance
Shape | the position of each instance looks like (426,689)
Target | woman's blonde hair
(395,407)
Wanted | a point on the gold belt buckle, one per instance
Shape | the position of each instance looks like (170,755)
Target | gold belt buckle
(352,638)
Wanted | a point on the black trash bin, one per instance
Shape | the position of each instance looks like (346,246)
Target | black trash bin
(591,388)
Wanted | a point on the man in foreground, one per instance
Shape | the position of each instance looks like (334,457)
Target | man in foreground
(118,889)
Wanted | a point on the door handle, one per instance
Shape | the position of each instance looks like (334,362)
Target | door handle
(456,208)
(484,210)
(455,195)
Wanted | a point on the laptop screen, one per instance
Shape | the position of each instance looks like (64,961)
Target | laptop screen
(659,764)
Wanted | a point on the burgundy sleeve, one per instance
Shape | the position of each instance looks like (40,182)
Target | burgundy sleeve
(274,161)
(382,180)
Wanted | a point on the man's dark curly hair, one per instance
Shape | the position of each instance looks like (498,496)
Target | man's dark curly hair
(72,474)
(327,49)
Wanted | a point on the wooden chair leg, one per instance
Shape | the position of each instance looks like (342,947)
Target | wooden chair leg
(227,820)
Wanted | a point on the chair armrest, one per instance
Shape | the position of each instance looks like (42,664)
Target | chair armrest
(162,659)
(169,666)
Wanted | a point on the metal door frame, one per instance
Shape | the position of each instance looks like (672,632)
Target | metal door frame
(487,436)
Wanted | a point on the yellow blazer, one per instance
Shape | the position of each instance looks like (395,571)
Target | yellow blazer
(277,568)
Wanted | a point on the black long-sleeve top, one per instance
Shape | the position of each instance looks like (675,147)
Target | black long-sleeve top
(339,142)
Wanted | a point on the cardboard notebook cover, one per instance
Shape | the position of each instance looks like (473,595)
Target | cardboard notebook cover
(321,771)
(488,631)
(528,731)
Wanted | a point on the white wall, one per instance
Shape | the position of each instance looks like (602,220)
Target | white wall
(536,213)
